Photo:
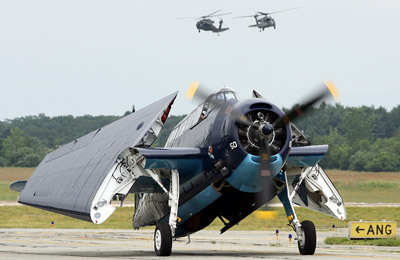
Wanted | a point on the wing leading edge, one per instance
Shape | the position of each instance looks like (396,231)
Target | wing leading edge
(67,179)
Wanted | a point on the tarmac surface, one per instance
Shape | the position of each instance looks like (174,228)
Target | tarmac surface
(75,244)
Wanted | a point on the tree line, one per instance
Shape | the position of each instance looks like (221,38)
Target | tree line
(360,138)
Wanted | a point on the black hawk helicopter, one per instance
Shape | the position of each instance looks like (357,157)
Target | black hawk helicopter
(266,20)
(207,24)
(225,159)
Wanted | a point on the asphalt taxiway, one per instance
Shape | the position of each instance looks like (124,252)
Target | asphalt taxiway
(75,244)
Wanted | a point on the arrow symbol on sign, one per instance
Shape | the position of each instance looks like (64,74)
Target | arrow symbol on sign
(358,229)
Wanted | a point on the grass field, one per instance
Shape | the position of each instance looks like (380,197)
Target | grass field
(27,217)
(369,187)
(367,242)
(354,187)
(8,176)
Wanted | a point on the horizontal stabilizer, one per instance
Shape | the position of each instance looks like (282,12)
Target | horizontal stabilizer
(18,186)
(304,156)
(188,161)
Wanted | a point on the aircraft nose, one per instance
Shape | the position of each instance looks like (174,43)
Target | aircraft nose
(267,129)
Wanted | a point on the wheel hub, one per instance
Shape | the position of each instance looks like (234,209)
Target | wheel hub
(158,239)
(300,238)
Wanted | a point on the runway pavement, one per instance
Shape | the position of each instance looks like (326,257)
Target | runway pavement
(74,244)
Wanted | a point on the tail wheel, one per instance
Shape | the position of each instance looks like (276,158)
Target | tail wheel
(309,238)
(163,239)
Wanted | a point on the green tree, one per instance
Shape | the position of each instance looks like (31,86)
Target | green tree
(21,150)
(13,144)
(359,160)
(357,125)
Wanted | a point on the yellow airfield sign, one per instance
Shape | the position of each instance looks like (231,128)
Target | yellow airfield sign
(372,229)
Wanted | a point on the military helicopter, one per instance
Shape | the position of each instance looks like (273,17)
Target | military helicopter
(266,20)
(207,24)
(224,160)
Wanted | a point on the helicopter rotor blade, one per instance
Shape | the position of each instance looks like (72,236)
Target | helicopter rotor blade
(187,17)
(219,14)
(246,16)
(213,14)
(205,16)
(284,10)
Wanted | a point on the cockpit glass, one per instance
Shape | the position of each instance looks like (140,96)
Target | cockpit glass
(230,95)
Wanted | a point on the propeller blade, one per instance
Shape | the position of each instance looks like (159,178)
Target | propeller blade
(327,90)
(265,153)
(268,191)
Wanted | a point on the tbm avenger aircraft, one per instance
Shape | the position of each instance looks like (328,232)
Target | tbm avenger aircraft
(207,24)
(225,159)
(266,20)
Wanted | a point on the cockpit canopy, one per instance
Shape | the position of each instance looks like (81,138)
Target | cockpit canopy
(218,97)
(224,94)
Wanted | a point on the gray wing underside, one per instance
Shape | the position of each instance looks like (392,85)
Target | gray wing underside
(68,178)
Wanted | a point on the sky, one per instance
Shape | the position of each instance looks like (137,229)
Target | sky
(100,57)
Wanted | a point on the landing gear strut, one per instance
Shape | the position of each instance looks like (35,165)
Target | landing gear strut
(165,231)
(306,235)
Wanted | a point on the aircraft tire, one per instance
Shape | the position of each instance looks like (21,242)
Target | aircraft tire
(163,239)
(309,243)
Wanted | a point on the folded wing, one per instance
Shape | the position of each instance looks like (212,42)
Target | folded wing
(67,180)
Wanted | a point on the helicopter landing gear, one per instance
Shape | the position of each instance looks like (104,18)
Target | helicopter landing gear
(306,235)
(199,30)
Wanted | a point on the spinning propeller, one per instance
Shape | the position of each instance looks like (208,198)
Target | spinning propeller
(264,128)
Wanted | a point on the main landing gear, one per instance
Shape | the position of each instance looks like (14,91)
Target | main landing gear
(163,239)
(165,231)
(308,240)
(305,231)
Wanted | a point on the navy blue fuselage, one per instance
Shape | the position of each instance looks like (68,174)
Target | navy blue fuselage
(228,181)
